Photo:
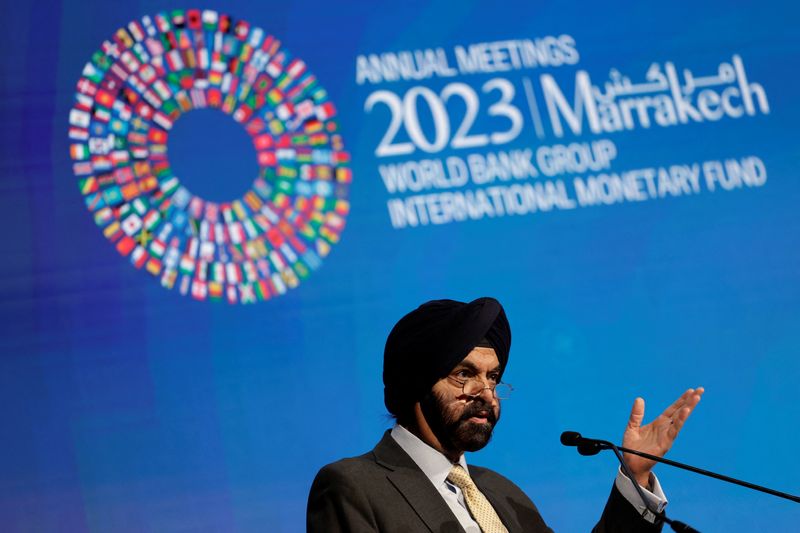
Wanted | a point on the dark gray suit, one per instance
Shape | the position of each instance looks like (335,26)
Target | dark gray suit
(384,490)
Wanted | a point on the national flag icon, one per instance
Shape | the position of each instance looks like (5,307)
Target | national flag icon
(148,184)
(344,175)
(101,163)
(247,294)
(162,120)
(78,134)
(103,216)
(162,22)
(113,196)
(183,288)
(210,19)
(162,89)
(132,224)
(154,266)
(128,59)
(214,290)
(186,264)
(313,126)
(143,238)
(323,248)
(120,159)
(216,271)
(118,126)
(138,257)
(267,159)
(233,273)
(296,68)
(112,232)
(152,98)
(79,151)
(139,206)
(110,49)
(151,219)
(325,111)
(168,278)
(274,96)
(157,136)
(263,141)
(231,294)
(104,98)
(278,283)
(157,248)
(284,111)
(136,31)
(115,77)
(129,191)
(126,245)
(86,87)
(92,73)
(123,38)
(94,201)
(199,290)
(155,47)
(80,119)
(144,111)
(262,83)
(207,250)
(103,114)
(262,290)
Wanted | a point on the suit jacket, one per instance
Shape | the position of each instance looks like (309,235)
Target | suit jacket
(384,490)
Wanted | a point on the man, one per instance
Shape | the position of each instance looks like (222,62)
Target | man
(442,373)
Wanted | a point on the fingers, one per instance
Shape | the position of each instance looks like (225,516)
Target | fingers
(637,414)
(690,400)
(672,409)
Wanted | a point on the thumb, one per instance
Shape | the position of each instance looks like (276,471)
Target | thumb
(637,414)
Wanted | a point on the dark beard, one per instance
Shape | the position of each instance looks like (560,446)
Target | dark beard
(455,433)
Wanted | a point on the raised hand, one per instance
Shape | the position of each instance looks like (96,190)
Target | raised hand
(656,438)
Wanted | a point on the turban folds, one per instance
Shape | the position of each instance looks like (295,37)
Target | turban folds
(427,343)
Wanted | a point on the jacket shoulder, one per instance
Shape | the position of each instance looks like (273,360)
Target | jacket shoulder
(349,467)
(338,501)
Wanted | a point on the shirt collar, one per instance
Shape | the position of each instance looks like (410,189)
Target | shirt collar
(433,463)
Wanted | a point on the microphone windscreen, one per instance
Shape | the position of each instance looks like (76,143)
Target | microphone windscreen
(588,447)
(570,438)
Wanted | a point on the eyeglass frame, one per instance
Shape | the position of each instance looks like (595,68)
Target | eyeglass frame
(492,388)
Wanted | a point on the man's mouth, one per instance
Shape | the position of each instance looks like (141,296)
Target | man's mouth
(480,417)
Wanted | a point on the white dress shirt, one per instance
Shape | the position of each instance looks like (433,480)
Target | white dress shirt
(436,467)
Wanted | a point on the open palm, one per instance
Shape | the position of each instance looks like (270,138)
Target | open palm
(656,438)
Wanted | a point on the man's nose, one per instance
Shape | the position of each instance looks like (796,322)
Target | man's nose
(487,395)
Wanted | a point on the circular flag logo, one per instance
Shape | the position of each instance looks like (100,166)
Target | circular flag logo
(130,94)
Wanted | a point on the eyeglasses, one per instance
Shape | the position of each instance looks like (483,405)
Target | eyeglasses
(474,387)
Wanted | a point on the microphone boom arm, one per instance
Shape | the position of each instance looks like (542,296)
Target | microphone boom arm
(608,445)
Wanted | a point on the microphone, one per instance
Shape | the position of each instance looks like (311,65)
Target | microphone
(585,446)
(571,438)
(595,446)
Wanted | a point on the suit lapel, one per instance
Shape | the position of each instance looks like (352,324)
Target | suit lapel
(415,487)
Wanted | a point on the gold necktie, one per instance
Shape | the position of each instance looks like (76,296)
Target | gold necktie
(480,508)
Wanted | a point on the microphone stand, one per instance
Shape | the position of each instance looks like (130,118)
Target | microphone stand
(696,470)
(591,447)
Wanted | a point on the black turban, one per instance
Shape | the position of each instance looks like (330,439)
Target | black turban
(427,343)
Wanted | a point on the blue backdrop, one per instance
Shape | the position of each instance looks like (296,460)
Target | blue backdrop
(621,177)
